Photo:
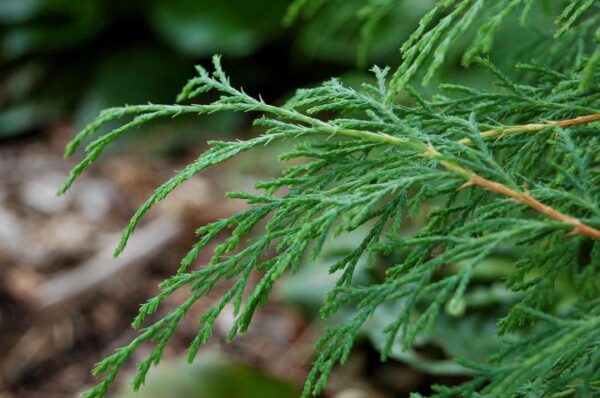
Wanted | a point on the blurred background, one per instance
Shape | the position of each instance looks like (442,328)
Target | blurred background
(64,302)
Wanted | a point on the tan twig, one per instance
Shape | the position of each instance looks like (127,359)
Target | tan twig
(527,199)
(521,197)
(533,127)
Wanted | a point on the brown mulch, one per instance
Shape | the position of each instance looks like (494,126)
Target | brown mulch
(49,351)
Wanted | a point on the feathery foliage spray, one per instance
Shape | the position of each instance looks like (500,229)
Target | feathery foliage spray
(514,166)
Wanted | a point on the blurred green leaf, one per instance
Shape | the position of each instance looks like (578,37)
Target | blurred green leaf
(308,287)
(133,75)
(19,119)
(45,26)
(472,336)
(201,28)
(333,35)
(469,337)
(14,11)
(211,376)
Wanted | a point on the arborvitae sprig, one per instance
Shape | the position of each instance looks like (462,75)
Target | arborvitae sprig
(515,166)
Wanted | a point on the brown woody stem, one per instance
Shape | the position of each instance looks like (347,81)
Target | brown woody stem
(527,199)
(534,127)
(521,197)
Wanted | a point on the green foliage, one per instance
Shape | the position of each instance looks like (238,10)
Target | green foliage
(490,167)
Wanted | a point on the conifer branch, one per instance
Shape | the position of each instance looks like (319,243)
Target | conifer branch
(371,163)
